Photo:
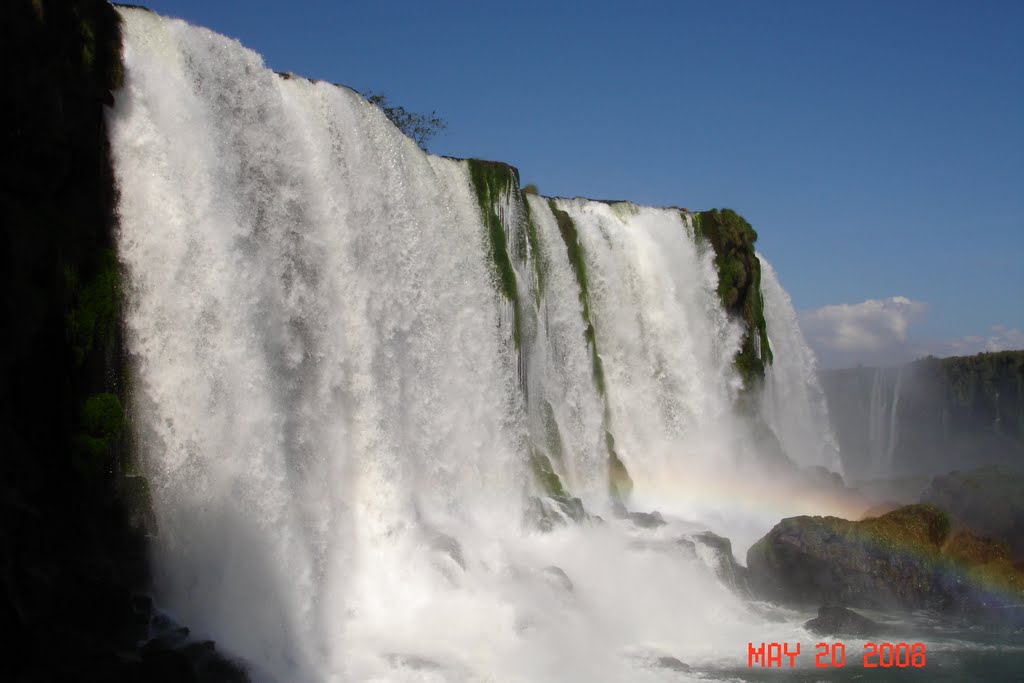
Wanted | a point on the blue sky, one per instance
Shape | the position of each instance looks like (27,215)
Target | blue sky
(877,147)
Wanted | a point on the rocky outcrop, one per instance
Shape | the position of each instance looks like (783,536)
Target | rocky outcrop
(72,547)
(839,621)
(723,563)
(739,284)
(906,558)
(988,501)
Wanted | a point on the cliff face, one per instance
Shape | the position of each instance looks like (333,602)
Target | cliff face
(70,557)
(930,416)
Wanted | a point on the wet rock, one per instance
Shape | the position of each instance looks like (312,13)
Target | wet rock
(905,559)
(834,621)
(673,664)
(414,662)
(724,563)
(557,578)
(447,546)
(646,520)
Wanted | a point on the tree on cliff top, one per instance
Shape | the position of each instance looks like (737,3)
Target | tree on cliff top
(419,127)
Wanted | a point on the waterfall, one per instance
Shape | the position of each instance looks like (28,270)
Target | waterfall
(793,401)
(352,362)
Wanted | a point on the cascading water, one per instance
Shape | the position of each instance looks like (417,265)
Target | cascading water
(882,421)
(346,374)
(793,403)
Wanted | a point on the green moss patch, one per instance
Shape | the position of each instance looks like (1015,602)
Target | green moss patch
(567,228)
(921,526)
(550,485)
(492,180)
(619,481)
(94,318)
(739,284)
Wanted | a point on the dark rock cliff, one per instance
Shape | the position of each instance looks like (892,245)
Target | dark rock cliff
(73,564)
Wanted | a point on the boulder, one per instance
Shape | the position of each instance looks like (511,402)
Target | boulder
(673,664)
(724,563)
(906,558)
(836,621)
(646,520)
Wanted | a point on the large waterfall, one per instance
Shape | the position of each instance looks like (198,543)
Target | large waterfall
(369,384)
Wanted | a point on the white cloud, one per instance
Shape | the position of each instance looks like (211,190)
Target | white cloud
(1001,338)
(875,332)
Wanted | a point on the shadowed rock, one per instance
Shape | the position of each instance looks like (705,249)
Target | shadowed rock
(832,621)
(905,558)
(673,664)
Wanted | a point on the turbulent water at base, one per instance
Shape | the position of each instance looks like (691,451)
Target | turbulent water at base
(339,406)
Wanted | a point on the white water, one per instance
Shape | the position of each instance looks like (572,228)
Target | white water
(793,403)
(883,423)
(332,408)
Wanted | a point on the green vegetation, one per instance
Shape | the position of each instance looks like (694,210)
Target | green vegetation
(547,480)
(619,481)
(739,284)
(552,435)
(567,228)
(531,189)
(103,416)
(491,180)
(102,420)
(93,320)
(418,127)
(976,380)
(920,526)
(534,240)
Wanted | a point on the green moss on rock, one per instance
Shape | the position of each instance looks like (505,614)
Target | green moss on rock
(906,558)
(567,228)
(492,180)
(739,284)
(549,483)
(103,416)
(534,241)
(94,318)
(620,483)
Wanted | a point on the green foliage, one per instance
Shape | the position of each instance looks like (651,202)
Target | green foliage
(570,237)
(922,525)
(970,377)
(549,483)
(419,127)
(99,40)
(492,180)
(94,318)
(531,189)
(534,241)
(620,483)
(103,416)
(739,284)
(552,435)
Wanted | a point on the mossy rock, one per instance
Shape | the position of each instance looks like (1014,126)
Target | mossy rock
(739,284)
(550,485)
(103,416)
(906,558)
(619,482)
(492,180)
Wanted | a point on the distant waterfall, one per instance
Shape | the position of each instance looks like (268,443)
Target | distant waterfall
(359,369)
